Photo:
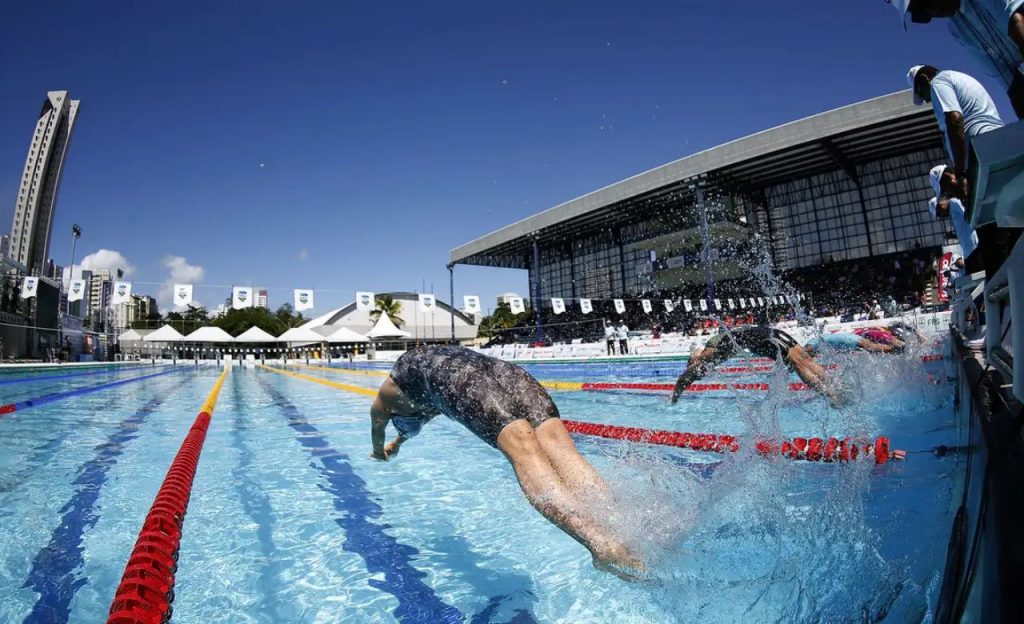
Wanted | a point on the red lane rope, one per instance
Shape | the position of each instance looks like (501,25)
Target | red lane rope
(697,387)
(808,449)
(146,591)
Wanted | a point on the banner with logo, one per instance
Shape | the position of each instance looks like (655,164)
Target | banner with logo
(732,304)
(182,295)
(947,262)
(241,297)
(743,304)
(760,302)
(365,301)
(557,305)
(516,305)
(76,290)
(687,305)
(29,286)
(471,304)
(703,305)
(669,306)
(303,299)
(646,305)
(427,303)
(718,304)
(620,306)
(122,293)
(585,306)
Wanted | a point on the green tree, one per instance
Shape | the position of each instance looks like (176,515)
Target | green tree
(235,322)
(386,304)
(503,319)
(288,316)
(196,313)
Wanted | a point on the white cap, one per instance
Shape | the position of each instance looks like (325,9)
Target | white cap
(902,6)
(935,175)
(911,76)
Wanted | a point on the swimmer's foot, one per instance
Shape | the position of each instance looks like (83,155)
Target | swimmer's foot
(621,562)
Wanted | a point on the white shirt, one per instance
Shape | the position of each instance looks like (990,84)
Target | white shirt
(609,332)
(964,232)
(623,332)
(953,91)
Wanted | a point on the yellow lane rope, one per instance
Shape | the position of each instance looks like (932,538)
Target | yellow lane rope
(211,399)
(324,382)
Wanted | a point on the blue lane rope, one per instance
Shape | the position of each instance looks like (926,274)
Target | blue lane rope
(105,371)
(59,396)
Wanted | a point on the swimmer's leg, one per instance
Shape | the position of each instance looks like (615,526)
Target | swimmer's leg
(549,495)
(875,347)
(576,473)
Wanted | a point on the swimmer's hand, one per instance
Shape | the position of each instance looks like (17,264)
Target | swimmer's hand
(391,448)
(379,456)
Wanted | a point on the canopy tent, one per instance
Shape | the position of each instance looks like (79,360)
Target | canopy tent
(384,328)
(130,336)
(254,334)
(209,334)
(344,334)
(300,334)
(164,334)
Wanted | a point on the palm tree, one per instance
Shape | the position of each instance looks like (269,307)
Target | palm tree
(386,304)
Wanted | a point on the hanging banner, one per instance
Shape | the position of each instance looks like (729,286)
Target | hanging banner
(732,304)
(669,306)
(620,306)
(471,304)
(557,305)
(800,296)
(516,305)
(585,306)
(428,303)
(29,286)
(646,305)
(947,261)
(241,297)
(687,305)
(76,290)
(760,302)
(303,299)
(718,304)
(743,304)
(182,295)
(365,301)
(122,293)
(704,305)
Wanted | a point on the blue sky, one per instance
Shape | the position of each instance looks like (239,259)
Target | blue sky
(350,146)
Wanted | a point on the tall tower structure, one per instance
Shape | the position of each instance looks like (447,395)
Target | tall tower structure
(37,195)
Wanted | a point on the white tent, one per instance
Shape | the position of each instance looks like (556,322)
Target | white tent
(300,334)
(130,336)
(254,334)
(209,334)
(164,334)
(386,329)
(344,334)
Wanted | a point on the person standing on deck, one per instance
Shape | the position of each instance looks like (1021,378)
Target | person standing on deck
(609,336)
(508,409)
(945,206)
(963,110)
(623,334)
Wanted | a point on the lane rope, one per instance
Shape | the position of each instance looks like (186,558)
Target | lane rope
(146,590)
(105,371)
(18,406)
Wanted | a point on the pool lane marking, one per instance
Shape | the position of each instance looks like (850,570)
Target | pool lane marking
(146,590)
(106,371)
(325,382)
(60,396)
(347,371)
(53,570)
(382,552)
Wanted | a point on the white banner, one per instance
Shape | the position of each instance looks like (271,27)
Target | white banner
(122,293)
(557,305)
(182,295)
(800,296)
(620,306)
(760,302)
(687,305)
(471,304)
(516,305)
(704,305)
(718,304)
(76,290)
(753,302)
(668,305)
(743,304)
(585,306)
(241,297)
(365,301)
(303,299)
(29,286)
(428,303)
(646,305)
(732,304)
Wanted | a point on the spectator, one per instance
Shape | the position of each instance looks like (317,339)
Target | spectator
(876,310)
(942,206)
(623,333)
(609,336)
(962,107)
(980,26)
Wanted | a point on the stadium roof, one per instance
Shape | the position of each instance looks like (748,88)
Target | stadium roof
(843,138)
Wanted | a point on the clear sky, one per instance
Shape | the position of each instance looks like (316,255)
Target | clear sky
(349,146)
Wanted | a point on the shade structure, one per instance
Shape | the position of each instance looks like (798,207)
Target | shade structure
(344,334)
(209,334)
(384,328)
(254,334)
(164,334)
(300,334)
(130,336)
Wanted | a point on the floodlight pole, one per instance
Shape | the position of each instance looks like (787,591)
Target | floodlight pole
(536,291)
(706,252)
(451,297)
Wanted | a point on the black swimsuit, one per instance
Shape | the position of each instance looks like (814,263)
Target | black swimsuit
(758,339)
(482,393)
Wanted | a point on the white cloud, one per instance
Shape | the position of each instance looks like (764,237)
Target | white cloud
(303,255)
(179,272)
(105,259)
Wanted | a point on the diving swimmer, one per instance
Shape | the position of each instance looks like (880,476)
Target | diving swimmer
(508,409)
(849,342)
(763,341)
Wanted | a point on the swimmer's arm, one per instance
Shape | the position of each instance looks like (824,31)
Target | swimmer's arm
(379,423)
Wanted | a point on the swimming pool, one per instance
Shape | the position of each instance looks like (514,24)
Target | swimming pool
(290,521)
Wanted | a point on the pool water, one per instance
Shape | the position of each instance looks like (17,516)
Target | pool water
(291,521)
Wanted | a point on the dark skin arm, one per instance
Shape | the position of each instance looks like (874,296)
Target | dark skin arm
(957,137)
(389,401)
(379,418)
